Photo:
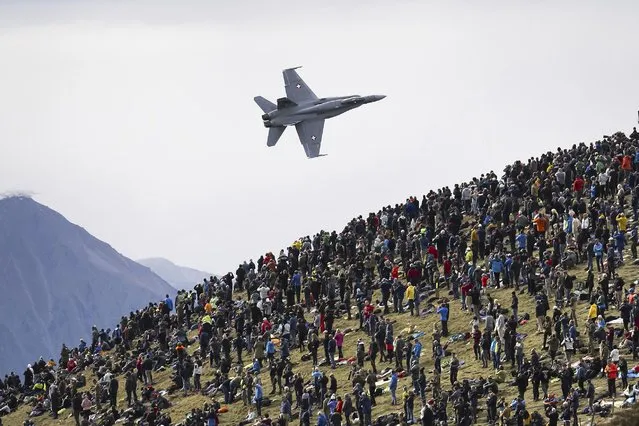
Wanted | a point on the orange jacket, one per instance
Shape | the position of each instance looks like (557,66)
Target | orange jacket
(540,223)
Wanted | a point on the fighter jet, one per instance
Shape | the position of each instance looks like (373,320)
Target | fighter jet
(304,110)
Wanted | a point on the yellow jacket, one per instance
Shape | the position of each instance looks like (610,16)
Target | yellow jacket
(592,312)
(410,292)
(469,256)
(622,222)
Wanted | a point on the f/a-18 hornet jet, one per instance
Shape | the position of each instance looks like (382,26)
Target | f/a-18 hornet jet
(304,110)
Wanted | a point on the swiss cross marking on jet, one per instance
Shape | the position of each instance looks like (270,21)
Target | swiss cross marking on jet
(298,85)
(313,137)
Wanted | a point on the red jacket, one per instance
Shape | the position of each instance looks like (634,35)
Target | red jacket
(368,310)
(266,326)
(71,365)
(448,267)
(395,272)
(612,370)
(413,274)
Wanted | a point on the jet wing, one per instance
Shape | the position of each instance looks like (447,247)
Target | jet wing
(296,90)
(310,134)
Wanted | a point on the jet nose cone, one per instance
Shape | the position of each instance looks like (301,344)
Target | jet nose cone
(375,98)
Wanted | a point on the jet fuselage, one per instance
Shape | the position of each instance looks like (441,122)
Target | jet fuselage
(291,114)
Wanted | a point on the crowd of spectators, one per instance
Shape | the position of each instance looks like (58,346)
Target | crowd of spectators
(526,230)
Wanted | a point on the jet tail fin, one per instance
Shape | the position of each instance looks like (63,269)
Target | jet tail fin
(274,134)
(266,105)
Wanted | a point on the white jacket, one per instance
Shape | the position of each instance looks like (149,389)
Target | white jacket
(197,370)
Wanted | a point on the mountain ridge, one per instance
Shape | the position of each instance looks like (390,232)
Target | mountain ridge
(178,276)
(57,280)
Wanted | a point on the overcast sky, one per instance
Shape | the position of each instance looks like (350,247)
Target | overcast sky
(136,119)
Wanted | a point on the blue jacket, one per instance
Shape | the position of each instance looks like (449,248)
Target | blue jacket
(494,345)
(296,280)
(393,381)
(410,209)
(598,249)
(417,349)
(321,420)
(496,265)
(169,303)
(572,332)
(258,392)
(365,404)
(522,240)
(270,347)
(508,263)
(424,241)
(284,352)
(317,375)
(568,224)
(443,313)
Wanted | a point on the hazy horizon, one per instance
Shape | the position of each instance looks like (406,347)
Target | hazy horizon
(136,120)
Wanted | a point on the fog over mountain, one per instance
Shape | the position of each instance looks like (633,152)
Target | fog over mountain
(57,280)
(180,277)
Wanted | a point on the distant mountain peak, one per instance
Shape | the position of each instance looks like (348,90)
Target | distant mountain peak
(20,195)
(180,277)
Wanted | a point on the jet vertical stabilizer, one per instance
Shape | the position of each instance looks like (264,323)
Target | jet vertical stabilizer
(266,105)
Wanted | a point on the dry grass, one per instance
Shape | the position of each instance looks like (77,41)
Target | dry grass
(459,322)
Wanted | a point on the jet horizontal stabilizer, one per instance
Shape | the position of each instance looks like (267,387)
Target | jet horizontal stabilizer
(274,134)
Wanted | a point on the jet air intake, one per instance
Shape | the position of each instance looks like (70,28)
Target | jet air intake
(266,117)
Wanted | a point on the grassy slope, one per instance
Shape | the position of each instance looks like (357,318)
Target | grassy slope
(458,323)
